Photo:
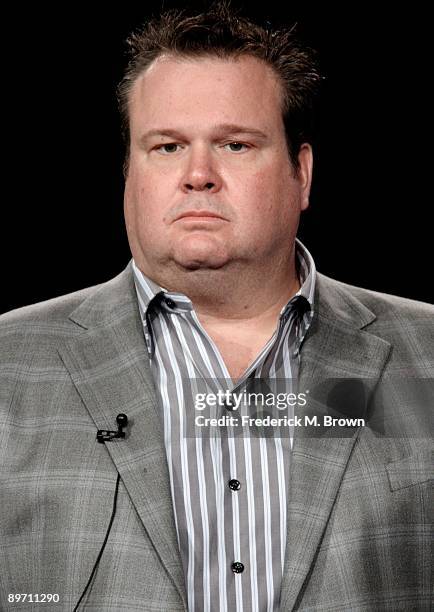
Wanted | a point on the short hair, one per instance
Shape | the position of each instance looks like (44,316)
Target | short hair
(221,32)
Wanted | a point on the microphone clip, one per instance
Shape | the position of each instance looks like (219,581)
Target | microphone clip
(105,435)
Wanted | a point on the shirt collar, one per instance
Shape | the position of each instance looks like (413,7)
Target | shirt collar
(303,299)
(150,292)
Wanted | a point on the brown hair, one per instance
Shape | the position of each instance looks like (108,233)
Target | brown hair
(221,32)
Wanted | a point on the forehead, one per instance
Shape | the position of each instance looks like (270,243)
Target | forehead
(233,89)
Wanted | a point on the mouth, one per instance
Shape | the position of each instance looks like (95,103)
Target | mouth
(198,215)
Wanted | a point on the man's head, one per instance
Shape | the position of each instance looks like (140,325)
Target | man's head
(222,33)
(217,114)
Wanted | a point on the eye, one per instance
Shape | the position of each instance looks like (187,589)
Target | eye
(166,144)
(236,144)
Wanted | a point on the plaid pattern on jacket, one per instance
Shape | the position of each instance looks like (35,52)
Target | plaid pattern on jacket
(359,523)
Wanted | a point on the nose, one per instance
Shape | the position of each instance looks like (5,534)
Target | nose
(201,173)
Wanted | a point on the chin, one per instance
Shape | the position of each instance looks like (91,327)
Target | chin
(201,263)
(200,252)
(197,259)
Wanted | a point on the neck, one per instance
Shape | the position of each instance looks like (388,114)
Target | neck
(235,292)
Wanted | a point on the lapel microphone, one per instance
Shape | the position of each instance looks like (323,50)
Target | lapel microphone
(105,435)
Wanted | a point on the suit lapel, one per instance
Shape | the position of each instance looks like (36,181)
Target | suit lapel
(336,348)
(109,366)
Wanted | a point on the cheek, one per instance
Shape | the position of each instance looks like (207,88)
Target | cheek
(270,209)
(145,197)
(269,197)
(272,183)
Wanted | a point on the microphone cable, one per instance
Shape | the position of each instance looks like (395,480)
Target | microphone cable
(103,544)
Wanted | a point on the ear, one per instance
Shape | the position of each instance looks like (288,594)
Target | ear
(304,174)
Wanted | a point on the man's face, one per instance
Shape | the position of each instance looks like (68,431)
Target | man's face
(210,182)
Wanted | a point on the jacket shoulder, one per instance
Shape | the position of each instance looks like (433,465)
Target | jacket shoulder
(29,338)
(407,325)
(383,305)
(54,310)
(35,330)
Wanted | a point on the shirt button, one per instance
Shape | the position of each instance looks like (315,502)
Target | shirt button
(234,484)
(237,567)
(170,303)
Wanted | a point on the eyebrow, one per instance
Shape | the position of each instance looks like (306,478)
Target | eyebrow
(222,129)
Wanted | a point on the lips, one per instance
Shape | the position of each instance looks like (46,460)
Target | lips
(198,213)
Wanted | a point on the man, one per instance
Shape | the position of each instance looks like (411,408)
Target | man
(155,513)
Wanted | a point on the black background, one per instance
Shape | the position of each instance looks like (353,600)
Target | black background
(62,219)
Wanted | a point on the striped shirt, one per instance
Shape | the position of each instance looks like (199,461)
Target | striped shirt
(228,484)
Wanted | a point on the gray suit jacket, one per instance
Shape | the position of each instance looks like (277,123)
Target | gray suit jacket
(358,504)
